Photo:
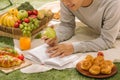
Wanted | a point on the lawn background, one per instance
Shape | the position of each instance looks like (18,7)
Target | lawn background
(67,74)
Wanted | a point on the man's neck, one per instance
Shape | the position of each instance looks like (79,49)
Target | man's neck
(87,3)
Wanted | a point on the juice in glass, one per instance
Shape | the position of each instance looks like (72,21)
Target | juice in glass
(25,42)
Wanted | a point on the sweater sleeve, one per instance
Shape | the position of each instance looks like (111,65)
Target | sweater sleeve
(66,28)
(109,31)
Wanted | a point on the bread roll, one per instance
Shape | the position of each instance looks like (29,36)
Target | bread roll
(86,64)
(95,70)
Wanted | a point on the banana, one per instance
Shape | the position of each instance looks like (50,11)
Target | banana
(0,21)
(3,19)
(15,18)
(12,22)
(9,18)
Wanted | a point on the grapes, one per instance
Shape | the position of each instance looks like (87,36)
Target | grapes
(27,28)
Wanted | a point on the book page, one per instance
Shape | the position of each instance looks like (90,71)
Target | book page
(40,53)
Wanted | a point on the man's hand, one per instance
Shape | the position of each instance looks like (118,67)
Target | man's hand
(61,50)
(50,41)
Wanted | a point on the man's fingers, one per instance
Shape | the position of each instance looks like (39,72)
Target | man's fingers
(62,55)
(56,54)
(44,38)
(52,49)
(48,41)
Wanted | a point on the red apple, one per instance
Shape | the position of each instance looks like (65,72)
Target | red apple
(30,12)
(33,16)
(26,20)
(35,12)
(16,25)
(19,21)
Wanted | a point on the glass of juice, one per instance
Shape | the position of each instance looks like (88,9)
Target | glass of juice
(25,42)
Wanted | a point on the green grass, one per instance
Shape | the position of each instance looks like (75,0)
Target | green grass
(66,74)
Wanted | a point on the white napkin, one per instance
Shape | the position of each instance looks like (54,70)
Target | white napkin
(35,68)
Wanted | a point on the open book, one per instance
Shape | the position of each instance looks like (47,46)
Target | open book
(39,54)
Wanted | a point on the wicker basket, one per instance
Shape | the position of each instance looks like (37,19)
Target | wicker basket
(16,32)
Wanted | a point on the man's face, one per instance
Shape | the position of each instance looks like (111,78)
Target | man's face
(73,4)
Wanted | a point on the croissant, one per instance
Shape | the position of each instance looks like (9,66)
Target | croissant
(95,69)
(86,64)
(7,61)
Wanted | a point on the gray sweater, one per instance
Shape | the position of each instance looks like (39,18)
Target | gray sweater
(103,16)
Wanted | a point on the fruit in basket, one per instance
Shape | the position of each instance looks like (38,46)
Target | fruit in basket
(35,12)
(22,14)
(41,14)
(2,18)
(49,32)
(13,11)
(48,12)
(26,20)
(32,16)
(8,20)
(29,12)
(16,25)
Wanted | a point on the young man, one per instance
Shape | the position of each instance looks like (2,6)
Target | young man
(103,16)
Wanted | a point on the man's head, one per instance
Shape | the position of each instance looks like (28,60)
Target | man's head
(76,4)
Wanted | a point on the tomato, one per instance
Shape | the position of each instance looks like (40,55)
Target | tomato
(100,53)
(21,57)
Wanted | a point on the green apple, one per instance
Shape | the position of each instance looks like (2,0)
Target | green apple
(22,14)
(49,32)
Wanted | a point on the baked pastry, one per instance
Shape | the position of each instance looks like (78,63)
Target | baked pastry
(98,60)
(8,51)
(95,70)
(90,58)
(7,61)
(97,65)
(105,69)
(109,63)
(86,64)
(56,15)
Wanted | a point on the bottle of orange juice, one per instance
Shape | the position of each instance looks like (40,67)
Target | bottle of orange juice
(25,42)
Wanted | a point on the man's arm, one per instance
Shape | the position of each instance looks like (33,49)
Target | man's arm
(66,28)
